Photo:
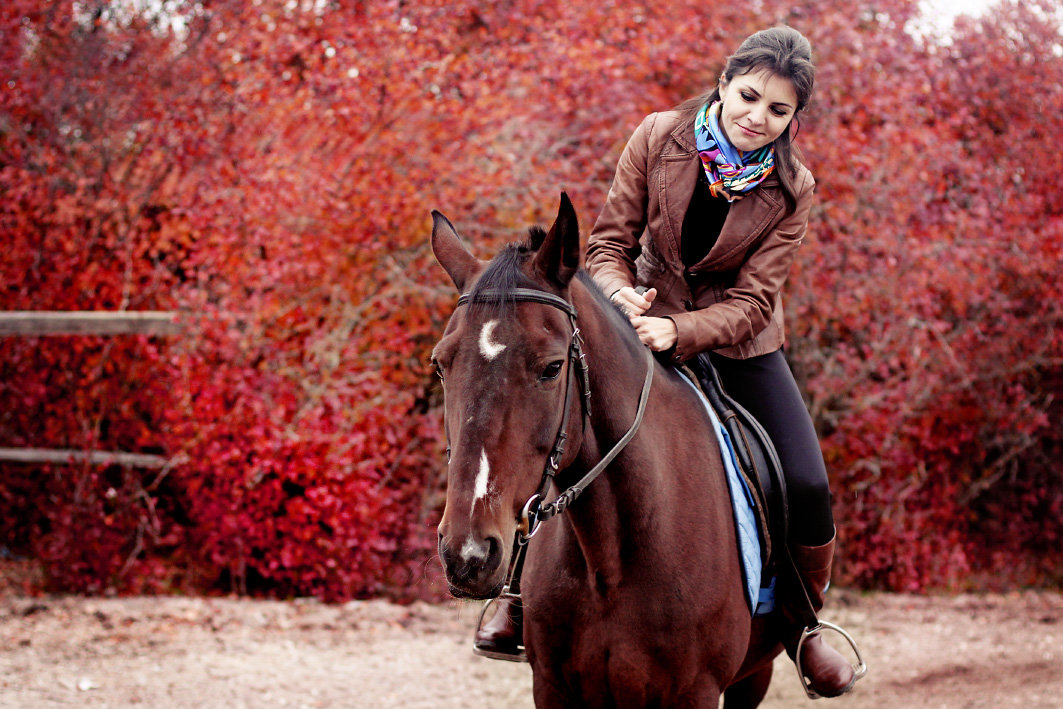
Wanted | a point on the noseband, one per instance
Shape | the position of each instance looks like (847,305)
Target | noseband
(536,511)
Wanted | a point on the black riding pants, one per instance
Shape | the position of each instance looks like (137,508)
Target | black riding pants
(765,387)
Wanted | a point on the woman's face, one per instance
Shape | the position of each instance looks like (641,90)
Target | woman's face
(757,108)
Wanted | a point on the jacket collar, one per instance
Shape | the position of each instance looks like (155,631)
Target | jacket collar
(683,134)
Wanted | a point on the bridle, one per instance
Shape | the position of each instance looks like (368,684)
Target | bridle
(535,511)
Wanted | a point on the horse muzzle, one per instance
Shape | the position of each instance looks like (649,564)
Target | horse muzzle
(475,568)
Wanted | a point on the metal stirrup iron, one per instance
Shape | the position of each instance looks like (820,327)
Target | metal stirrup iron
(859,669)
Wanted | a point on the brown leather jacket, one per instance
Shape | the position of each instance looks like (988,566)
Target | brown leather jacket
(731,300)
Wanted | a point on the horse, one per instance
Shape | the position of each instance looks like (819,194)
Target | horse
(633,597)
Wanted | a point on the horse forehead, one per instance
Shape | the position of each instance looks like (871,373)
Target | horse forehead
(491,332)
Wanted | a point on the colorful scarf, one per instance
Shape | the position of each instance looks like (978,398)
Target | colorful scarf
(730,171)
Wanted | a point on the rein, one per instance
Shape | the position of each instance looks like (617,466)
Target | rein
(535,511)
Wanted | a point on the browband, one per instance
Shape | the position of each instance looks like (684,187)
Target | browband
(520,295)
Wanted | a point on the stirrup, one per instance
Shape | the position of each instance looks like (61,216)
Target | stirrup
(859,669)
(520,655)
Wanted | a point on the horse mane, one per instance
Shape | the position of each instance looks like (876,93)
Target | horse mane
(505,273)
(502,276)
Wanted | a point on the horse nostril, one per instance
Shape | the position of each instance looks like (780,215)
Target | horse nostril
(446,553)
(494,552)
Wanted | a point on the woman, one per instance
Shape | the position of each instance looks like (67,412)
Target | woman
(707,210)
(724,201)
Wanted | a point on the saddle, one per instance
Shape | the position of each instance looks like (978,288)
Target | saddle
(757,461)
(762,473)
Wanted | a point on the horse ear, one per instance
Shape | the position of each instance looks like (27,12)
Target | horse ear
(559,257)
(451,253)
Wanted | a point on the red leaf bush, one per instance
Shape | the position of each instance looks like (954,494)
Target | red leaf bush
(267,171)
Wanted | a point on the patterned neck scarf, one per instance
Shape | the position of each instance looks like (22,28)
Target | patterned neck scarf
(730,171)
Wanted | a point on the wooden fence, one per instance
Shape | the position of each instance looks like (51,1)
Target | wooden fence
(32,323)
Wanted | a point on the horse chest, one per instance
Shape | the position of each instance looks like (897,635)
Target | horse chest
(631,630)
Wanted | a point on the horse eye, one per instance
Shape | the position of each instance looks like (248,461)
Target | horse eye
(552,371)
(438,368)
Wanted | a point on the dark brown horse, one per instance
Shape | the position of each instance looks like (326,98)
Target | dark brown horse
(633,597)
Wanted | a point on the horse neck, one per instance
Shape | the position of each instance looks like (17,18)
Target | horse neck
(617,365)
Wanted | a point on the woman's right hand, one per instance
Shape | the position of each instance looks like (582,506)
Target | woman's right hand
(632,302)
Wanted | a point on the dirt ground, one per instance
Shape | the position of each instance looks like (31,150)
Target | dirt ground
(966,651)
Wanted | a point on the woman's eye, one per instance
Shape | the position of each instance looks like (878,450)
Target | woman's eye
(748,96)
(551,371)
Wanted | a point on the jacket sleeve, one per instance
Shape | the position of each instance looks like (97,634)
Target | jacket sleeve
(613,244)
(748,305)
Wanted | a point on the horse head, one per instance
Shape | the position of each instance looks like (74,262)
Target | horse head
(505,362)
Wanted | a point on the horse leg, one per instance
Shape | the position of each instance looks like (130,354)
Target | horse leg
(547,692)
(551,698)
(748,692)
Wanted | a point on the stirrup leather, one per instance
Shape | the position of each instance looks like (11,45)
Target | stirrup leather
(859,669)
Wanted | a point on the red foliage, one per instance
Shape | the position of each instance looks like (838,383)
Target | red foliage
(267,169)
(928,311)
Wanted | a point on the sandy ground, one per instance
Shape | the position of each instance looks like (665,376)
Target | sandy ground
(966,651)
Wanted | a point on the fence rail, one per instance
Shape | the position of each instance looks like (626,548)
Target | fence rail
(88,322)
(68,455)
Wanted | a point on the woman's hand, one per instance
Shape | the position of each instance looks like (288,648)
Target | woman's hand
(659,334)
(632,302)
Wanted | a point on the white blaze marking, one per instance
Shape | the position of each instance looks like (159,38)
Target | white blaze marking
(472,549)
(490,349)
(480,491)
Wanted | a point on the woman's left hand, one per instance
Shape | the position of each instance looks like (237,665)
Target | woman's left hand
(659,334)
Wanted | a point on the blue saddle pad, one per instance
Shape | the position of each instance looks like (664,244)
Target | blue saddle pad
(761,597)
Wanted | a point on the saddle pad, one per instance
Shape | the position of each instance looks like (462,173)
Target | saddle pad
(761,600)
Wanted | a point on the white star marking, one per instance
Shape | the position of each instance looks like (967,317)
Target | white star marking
(490,349)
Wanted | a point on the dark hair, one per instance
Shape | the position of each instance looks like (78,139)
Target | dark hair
(785,52)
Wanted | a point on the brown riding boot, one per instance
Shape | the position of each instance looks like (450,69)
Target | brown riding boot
(502,637)
(828,673)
